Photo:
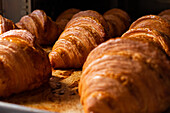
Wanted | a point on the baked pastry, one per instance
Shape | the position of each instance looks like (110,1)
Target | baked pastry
(23,64)
(154,22)
(41,26)
(81,35)
(85,31)
(148,34)
(118,21)
(6,24)
(125,76)
(65,17)
(98,16)
(165,14)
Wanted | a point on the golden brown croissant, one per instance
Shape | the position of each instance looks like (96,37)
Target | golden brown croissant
(23,64)
(125,76)
(154,22)
(118,21)
(65,17)
(148,34)
(83,32)
(6,24)
(41,26)
(81,35)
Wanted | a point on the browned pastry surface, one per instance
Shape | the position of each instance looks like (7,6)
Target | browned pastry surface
(167,17)
(96,15)
(65,17)
(22,34)
(165,14)
(6,24)
(23,64)
(125,76)
(118,21)
(81,35)
(149,34)
(154,22)
(70,11)
(119,12)
(117,25)
(90,22)
(41,26)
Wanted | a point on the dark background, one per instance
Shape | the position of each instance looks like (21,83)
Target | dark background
(135,8)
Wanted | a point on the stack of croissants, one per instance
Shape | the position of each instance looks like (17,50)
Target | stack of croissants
(125,68)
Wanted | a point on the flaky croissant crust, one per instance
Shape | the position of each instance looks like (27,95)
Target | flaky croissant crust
(6,24)
(23,64)
(41,26)
(120,76)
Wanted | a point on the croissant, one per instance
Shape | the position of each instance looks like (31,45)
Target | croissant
(6,24)
(148,34)
(23,64)
(41,26)
(123,75)
(165,14)
(154,22)
(118,21)
(65,17)
(85,31)
(81,35)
